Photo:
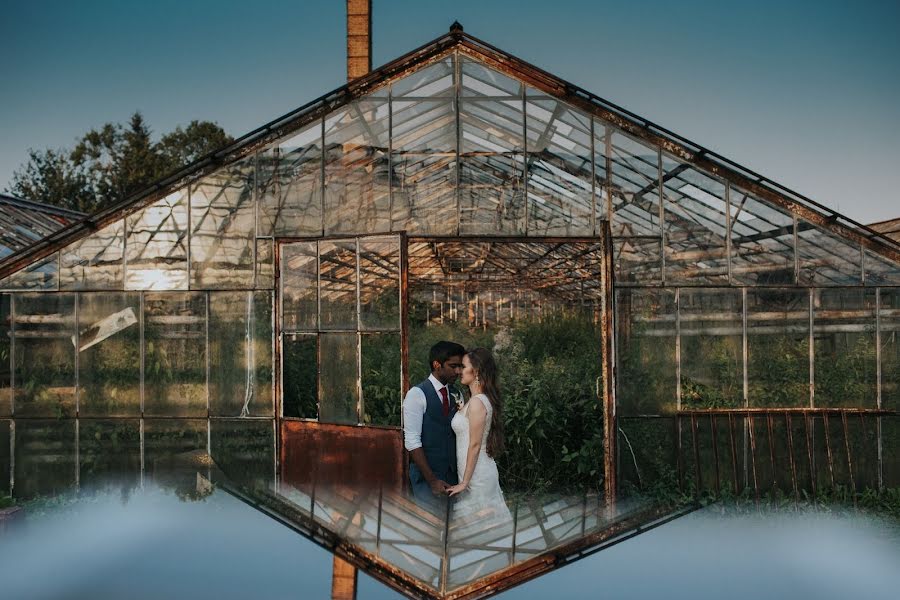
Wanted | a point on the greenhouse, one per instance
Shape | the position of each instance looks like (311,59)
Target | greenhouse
(661,315)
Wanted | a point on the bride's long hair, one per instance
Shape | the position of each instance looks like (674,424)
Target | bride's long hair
(483,362)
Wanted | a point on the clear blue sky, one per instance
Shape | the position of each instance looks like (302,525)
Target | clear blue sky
(804,92)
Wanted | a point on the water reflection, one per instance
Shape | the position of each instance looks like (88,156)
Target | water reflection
(401,542)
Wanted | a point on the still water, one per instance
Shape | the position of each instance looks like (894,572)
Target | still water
(148,543)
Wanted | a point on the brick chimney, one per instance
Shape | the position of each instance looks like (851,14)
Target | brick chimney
(359,38)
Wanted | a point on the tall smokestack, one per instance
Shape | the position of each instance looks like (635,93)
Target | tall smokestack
(359,38)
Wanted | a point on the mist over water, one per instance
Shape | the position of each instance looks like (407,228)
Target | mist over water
(153,545)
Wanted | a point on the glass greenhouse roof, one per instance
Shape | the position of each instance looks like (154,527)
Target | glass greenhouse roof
(459,138)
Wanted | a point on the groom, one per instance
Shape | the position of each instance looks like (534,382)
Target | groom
(427,435)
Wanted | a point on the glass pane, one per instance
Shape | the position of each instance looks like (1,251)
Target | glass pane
(379,283)
(357,187)
(109,454)
(44,360)
(337,378)
(290,185)
(637,260)
(881,270)
(95,262)
(559,168)
(337,284)
(481,81)
(109,354)
(299,376)
(762,241)
(695,225)
(223,224)
(175,354)
(175,453)
(423,165)
(40,275)
(826,259)
(5,356)
(44,457)
(890,433)
(712,366)
(265,263)
(381,378)
(433,80)
(646,351)
(245,451)
(5,457)
(240,357)
(778,347)
(156,245)
(492,165)
(844,334)
(889,323)
(299,286)
(634,186)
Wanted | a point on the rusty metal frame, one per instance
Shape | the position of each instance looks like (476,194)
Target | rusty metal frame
(608,357)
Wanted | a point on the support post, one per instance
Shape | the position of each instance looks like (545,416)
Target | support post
(610,428)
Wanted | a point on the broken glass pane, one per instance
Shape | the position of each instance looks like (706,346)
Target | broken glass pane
(109,354)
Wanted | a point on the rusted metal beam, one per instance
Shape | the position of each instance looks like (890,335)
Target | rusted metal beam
(607,341)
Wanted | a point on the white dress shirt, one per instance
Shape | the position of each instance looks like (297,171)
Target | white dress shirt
(414,411)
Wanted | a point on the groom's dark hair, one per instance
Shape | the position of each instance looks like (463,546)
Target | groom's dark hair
(442,351)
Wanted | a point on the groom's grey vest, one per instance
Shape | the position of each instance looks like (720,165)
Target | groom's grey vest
(438,440)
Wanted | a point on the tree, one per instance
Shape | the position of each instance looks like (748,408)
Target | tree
(112,162)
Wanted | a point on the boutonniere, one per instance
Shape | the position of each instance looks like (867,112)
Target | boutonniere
(458,400)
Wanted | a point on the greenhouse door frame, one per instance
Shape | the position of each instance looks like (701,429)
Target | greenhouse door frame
(606,394)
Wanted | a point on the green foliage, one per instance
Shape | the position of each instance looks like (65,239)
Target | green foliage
(381,379)
(112,162)
(6,502)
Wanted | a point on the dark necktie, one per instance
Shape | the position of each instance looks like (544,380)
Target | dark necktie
(446,401)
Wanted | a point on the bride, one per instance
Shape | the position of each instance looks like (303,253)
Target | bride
(479,440)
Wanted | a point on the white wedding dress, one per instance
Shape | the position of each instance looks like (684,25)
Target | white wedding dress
(483,499)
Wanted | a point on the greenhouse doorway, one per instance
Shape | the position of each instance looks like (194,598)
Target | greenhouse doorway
(357,315)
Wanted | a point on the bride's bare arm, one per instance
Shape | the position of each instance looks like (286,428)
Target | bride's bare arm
(476,415)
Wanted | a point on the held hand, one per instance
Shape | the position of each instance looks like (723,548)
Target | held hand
(439,487)
(453,490)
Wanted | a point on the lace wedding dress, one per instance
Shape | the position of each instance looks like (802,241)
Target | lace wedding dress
(483,499)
